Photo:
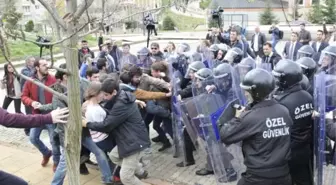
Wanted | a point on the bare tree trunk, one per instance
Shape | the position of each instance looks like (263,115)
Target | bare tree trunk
(74,127)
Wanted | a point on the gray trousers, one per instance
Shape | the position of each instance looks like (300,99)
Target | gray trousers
(129,167)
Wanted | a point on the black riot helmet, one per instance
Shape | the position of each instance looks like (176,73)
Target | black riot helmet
(223,76)
(287,73)
(308,66)
(194,67)
(304,83)
(234,56)
(305,51)
(214,49)
(196,57)
(204,74)
(246,65)
(259,83)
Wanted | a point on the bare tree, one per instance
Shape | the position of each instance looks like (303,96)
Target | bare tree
(70,26)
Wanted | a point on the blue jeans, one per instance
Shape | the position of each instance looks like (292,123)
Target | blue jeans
(34,138)
(107,145)
(103,164)
(60,170)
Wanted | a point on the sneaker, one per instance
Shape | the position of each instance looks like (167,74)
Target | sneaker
(143,176)
(46,159)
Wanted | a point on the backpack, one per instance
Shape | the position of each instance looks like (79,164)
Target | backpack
(281,33)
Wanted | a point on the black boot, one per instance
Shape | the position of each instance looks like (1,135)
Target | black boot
(204,172)
(165,146)
(83,169)
(183,164)
(156,139)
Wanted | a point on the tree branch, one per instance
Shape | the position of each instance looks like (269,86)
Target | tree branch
(81,8)
(49,43)
(53,14)
(97,29)
(103,13)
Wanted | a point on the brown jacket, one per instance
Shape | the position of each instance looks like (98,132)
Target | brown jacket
(148,95)
(147,81)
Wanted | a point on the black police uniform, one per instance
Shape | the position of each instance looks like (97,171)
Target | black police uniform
(263,131)
(266,140)
(300,106)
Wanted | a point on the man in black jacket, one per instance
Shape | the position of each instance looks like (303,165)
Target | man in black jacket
(125,123)
(270,56)
(264,132)
(300,105)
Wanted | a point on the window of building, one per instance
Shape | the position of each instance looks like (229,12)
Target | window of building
(26,8)
(299,2)
(315,1)
(37,6)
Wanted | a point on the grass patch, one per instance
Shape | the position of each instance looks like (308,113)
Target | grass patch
(20,49)
(184,23)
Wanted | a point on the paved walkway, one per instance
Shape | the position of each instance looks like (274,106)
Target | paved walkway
(26,164)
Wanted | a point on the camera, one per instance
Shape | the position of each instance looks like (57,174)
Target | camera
(217,13)
(43,40)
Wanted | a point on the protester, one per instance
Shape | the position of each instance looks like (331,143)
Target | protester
(27,121)
(11,84)
(33,95)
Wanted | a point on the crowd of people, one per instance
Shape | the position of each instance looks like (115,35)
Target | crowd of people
(180,91)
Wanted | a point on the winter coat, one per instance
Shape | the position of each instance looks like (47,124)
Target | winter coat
(30,92)
(23,121)
(125,123)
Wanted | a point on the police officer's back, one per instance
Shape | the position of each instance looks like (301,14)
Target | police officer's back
(263,131)
(299,102)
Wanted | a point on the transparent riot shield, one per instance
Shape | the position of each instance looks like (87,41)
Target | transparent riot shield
(189,111)
(241,70)
(176,117)
(211,107)
(325,129)
(266,66)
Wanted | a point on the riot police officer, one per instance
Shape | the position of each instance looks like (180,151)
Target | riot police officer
(219,58)
(309,68)
(214,49)
(264,132)
(327,60)
(234,56)
(184,93)
(203,78)
(299,102)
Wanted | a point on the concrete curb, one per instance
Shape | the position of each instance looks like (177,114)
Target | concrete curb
(20,63)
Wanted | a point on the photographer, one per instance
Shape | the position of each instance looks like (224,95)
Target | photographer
(170,50)
(150,23)
(274,30)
